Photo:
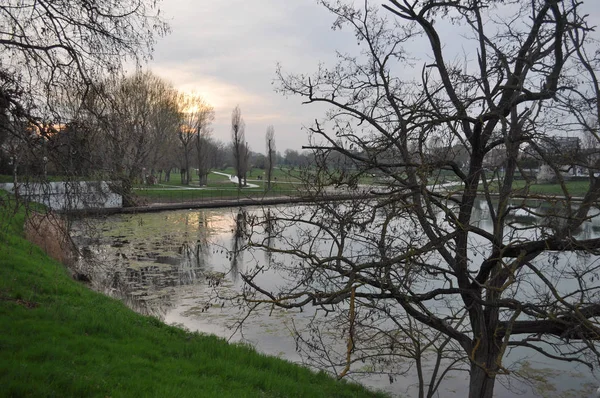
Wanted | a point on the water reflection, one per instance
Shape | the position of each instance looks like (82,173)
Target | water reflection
(269,231)
(183,266)
(240,234)
(141,259)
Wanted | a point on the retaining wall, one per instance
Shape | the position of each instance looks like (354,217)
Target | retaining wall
(76,195)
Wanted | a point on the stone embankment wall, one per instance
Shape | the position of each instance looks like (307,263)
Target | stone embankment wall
(64,196)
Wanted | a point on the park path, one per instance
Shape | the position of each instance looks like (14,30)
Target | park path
(234,179)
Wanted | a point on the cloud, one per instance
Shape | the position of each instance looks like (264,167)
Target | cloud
(220,93)
(228,52)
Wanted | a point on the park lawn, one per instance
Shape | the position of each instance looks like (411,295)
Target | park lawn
(59,338)
(215,180)
(280,174)
(574,188)
(175,180)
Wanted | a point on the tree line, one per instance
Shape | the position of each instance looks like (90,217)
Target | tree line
(136,129)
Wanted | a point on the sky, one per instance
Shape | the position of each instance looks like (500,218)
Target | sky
(228,52)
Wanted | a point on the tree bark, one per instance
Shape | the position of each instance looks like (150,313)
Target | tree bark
(484,367)
(481,384)
(187,169)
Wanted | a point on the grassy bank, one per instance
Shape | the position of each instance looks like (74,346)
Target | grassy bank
(574,188)
(58,338)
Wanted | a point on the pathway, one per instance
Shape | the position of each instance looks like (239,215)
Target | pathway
(234,179)
(162,187)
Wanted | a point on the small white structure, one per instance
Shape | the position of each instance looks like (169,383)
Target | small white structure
(75,195)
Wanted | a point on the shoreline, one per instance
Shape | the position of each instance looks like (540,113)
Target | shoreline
(216,203)
(278,200)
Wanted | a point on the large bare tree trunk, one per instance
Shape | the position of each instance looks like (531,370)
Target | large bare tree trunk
(481,385)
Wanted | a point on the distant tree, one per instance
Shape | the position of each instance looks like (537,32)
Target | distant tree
(291,157)
(279,159)
(165,125)
(220,155)
(72,150)
(198,116)
(589,155)
(132,120)
(259,161)
(238,141)
(270,154)
(245,164)
(135,122)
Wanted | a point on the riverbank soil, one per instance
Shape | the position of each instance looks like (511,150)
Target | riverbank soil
(49,232)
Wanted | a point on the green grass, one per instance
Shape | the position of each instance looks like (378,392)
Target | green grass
(60,339)
(282,175)
(219,187)
(574,188)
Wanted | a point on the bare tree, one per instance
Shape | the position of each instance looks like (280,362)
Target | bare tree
(133,120)
(456,260)
(246,157)
(238,140)
(219,154)
(271,154)
(198,117)
(166,123)
(49,47)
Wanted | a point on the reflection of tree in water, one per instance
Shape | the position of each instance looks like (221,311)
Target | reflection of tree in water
(193,262)
(142,277)
(237,246)
(269,227)
(194,257)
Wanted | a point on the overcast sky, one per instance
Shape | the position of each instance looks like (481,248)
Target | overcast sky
(228,52)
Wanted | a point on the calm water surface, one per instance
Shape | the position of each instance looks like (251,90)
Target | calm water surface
(184,266)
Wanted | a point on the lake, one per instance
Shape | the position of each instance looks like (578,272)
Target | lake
(184,267)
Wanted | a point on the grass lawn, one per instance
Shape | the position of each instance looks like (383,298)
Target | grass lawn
(219,186)
(574,188)
(281,174)
(58,338)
